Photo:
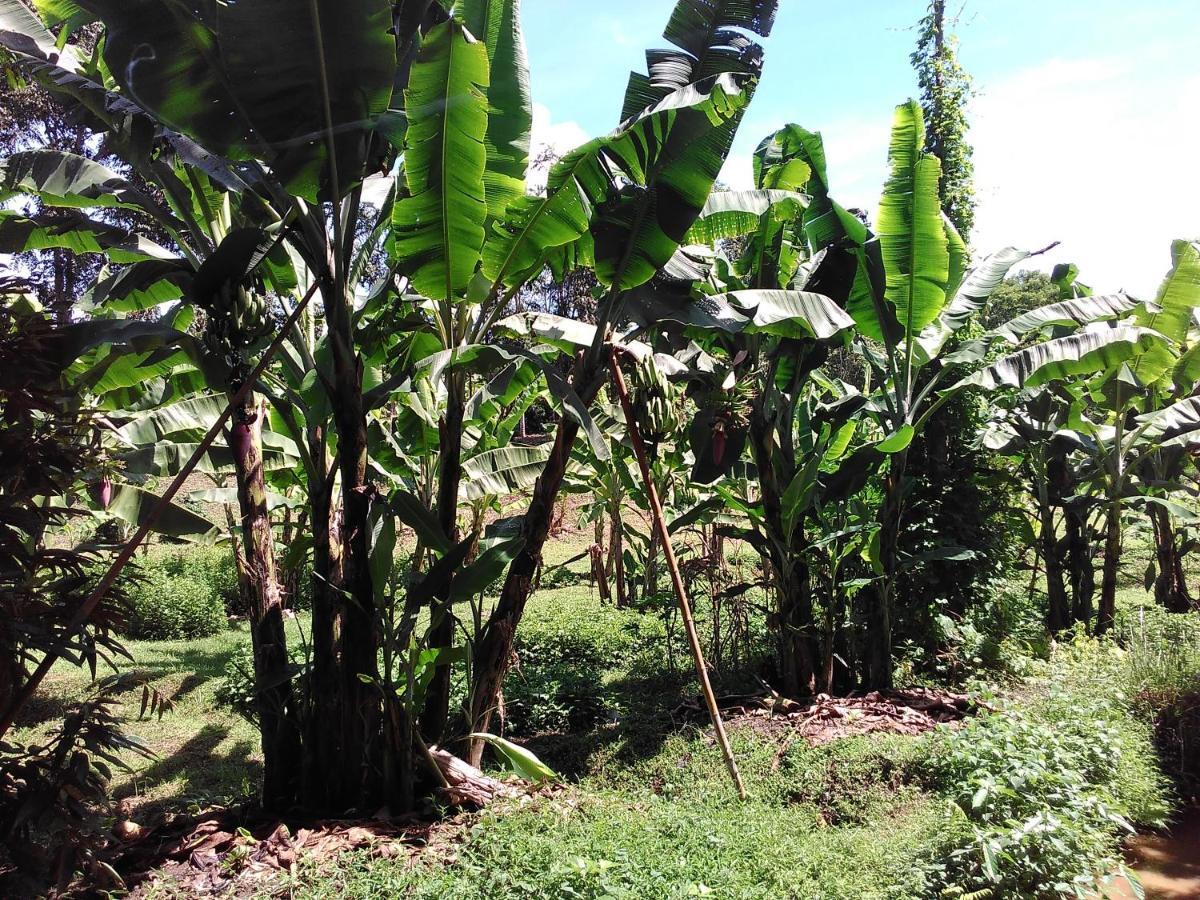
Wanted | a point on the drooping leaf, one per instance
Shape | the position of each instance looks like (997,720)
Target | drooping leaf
(133,505)
(505,470)
(1092,350)
(1079,311)
(76,233)
(520,760)
(708,38)
(797,314)
(69,180)
(416,515)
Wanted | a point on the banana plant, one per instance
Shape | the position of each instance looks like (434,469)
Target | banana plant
(231,108)
(1033,428)
(621,205)
(1131,377)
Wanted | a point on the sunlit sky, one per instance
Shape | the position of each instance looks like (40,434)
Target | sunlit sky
(1086,124)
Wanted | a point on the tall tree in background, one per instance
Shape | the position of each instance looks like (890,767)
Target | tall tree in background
(945,90)
(955,493)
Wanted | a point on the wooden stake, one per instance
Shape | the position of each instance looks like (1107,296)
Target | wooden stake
(685,608)
(114,571)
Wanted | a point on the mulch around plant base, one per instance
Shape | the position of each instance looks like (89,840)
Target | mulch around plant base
(236,851)
(823,718)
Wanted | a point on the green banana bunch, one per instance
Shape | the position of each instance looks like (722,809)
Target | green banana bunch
(655,401)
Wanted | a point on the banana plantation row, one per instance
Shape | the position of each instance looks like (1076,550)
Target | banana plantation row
(347,203)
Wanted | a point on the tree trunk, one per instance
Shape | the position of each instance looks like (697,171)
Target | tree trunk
(360,711)
(273,685)
(878,662)
(1079,562)
(1170,585)
(1058,609)
(323,779)
(493,650)
(441,631)
(1112,561)
(616,553)
(795,612)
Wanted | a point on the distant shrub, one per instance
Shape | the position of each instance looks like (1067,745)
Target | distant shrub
(212,566)
(173,607)
(1161,667)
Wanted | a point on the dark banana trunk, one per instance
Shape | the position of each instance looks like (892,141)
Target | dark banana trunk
(1106,615)
(360,713)
(322,769)
(1079,562)
(493,650)
(280,736)
(1170,585)
(1058,607)
(794,615)
(441,632)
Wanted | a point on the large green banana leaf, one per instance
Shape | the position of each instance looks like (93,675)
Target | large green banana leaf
(497,23)
(917,250)
(77,233)
(439,229)
(249,79)
(1093,350)
(1178,297)
(978,285)
(728,214)
(640,189)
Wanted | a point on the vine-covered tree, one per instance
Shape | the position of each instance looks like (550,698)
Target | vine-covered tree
(945,89)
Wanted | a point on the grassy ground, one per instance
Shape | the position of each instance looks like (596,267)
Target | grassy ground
(648,810)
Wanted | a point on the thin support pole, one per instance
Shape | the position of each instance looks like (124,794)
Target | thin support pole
(114,571)
(685,608)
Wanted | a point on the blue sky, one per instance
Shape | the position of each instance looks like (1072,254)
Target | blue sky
(1086,124)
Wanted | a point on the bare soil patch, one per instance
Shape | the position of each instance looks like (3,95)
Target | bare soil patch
(824,718)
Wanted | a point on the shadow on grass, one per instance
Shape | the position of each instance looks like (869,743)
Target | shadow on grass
(42,708)
(208,774)
(647,701)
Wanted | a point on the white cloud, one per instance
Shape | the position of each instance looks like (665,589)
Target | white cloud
(557,137)
(1078,151)
(1088,152)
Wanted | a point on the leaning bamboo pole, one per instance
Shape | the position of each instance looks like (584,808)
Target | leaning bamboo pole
(114,571)
(685,607)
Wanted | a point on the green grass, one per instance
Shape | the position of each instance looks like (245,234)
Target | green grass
(205,753)
(648,810)
(832,822)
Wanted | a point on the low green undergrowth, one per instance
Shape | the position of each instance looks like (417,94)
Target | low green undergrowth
(166,607)
(1029,801)
(182,592)
(566,650)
